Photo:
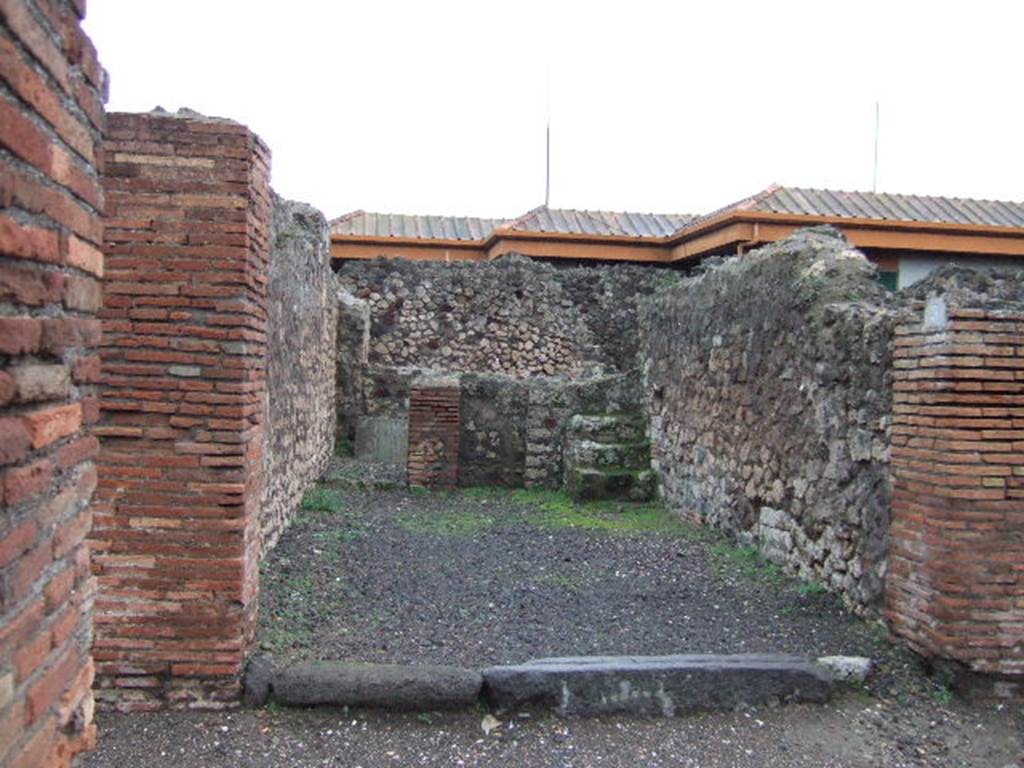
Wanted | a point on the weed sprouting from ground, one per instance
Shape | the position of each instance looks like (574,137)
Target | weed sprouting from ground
(422,490)
(556,510)
(320,499)
(446,523)
(746,561)
(810,588)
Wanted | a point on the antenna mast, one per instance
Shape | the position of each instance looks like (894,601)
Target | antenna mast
(547,136)
(874,178)
(547,163)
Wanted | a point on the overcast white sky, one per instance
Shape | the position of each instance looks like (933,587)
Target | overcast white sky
(439,106)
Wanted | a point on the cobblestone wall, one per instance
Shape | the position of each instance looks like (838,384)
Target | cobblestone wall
(513,316)
(769,380)
(301,328)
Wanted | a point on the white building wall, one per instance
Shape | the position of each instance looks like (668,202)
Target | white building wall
(919,266)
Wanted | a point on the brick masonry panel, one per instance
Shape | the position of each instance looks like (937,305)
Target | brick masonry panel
(50,236)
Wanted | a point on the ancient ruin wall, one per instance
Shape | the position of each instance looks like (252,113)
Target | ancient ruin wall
(513,316)
(769,382)
(956,584)
(176,535)
(51,119)
(301,328)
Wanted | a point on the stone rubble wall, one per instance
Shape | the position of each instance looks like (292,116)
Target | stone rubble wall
(512,431)
(302,325)
(51,232)
(769,383)
(353,350)
(513,316)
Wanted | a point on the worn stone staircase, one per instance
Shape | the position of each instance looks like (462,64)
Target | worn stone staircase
(608,456)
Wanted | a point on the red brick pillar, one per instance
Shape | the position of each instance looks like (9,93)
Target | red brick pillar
(175,543)
(956,579)
(51,119)
(434,430)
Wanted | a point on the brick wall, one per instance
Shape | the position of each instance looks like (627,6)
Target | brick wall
(956,580)
(51,118)
(434,428)
(175,541)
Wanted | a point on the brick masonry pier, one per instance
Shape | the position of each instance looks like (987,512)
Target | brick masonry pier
(956,580)
(175,542)
(434,430)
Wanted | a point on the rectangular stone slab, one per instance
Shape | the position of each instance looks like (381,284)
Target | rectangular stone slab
(656,685)
(421,688)
(382,438)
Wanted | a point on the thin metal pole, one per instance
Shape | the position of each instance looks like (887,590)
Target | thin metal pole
(547,135)
(874,179)
(547,164)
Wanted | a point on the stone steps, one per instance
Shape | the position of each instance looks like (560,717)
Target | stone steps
(609,427)
(588,453)
(603,484)
(608,456)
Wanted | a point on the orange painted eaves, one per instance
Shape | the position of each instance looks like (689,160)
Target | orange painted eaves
(417,241)
(758,227)
(727,229)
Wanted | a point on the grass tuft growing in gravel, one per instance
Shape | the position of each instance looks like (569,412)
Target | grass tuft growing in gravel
(556,510)
(462,523)
(320,499)
(746,561)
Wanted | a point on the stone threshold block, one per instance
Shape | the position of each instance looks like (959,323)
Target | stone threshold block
(660,686)
(415,687)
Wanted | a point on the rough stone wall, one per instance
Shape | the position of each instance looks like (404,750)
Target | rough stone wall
(512,431)
(301,329)
(51,119)
(492,449)
(769,380)
(353,350)
(176,536)
(513,316)
(956,583)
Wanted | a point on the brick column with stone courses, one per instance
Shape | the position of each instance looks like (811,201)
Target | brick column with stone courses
(955,588)
(51,201)
(175,542)
(434,430)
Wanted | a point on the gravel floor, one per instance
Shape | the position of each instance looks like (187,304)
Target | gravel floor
(853,732)
(482,577)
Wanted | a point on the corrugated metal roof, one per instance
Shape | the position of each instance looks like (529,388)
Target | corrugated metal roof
(569,221)
(871,205)
(774,199)
(880,206)
(467,228)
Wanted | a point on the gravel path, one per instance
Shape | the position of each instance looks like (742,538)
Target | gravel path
(854,732)
(482,577)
